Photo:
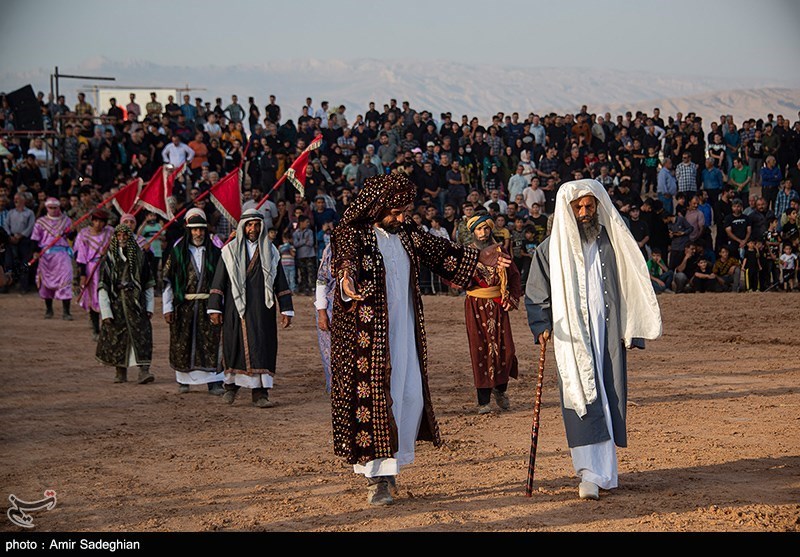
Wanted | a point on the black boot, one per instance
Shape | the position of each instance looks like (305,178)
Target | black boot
(65,314)
(48,312)
(94,317)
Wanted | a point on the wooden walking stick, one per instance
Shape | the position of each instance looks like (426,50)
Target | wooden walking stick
(536,406)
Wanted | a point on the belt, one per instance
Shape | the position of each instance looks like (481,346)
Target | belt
(491,292)
(196,296)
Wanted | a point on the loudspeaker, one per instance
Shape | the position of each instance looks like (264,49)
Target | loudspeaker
(26,109)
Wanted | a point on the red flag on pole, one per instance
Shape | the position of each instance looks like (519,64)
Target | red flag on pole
(226,195)
(125,200)
(154,195)
(297,172)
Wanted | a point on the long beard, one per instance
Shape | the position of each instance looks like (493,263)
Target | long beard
(485,243)
(589,230)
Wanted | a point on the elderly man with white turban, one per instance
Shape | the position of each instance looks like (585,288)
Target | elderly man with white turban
(248,289)
(589,289)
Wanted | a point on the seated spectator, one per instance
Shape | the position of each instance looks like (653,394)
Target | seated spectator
(727,271)
(660,275)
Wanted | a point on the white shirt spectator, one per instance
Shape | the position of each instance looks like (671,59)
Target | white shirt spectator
(176,155)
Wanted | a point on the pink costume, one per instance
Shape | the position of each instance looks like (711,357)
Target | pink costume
(89,250)
(54,274)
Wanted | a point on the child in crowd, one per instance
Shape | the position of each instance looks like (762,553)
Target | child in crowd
(650,171)
(703,279)
(660,275)
(788,268)
(751,266)
(287,252)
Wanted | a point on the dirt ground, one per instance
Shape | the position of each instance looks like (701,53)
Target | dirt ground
(714,435)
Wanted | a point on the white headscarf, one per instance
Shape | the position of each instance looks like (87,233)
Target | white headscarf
(234,254)
(640,316)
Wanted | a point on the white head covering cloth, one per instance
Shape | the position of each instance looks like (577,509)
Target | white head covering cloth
(234,255)
(640,316)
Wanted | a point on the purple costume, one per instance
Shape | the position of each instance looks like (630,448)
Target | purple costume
(89,250)
(54,274)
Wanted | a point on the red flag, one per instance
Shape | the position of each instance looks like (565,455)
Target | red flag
(297,172)
(125,199)
(226,195)
(154,195)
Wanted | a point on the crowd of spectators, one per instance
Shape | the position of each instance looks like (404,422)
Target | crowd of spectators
(712,208)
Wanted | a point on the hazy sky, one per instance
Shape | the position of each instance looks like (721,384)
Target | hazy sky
(721,38)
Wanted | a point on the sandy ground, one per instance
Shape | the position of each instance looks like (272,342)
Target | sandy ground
(714,435)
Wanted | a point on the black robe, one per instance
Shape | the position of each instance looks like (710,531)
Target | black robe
(193,339)
(250,345)
(131,325)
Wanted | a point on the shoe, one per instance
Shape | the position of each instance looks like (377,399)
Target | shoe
(95,336)
(145,376)
(48,314)
(393,491)
(216,390)
(67,317)
(501,399)
(588,490)
(378,491)
(229,396)
(121,375)
(484,409)
(264,402)
(183,389)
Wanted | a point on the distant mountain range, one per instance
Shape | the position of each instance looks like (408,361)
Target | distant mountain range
(439,86)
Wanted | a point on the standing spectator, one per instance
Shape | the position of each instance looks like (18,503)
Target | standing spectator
(788,262)
(303,241)
(738,229)
(740,178)
(456,189)
(771,177)
(686,174)
(518,182)
(755,156)
(189,112)
(235,111)
(639,229)
(783,201)
(133,108)
(288,254)
(667,186)
(679,231)
(771,142)
(154,108)
(177,152)
(366,169)
(713,180)
(695,218)
(273,111)
(19,226)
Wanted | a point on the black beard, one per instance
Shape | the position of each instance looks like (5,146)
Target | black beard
(390,229)
(589,230)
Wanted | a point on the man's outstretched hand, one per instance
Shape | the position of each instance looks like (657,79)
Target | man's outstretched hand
(494,257)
